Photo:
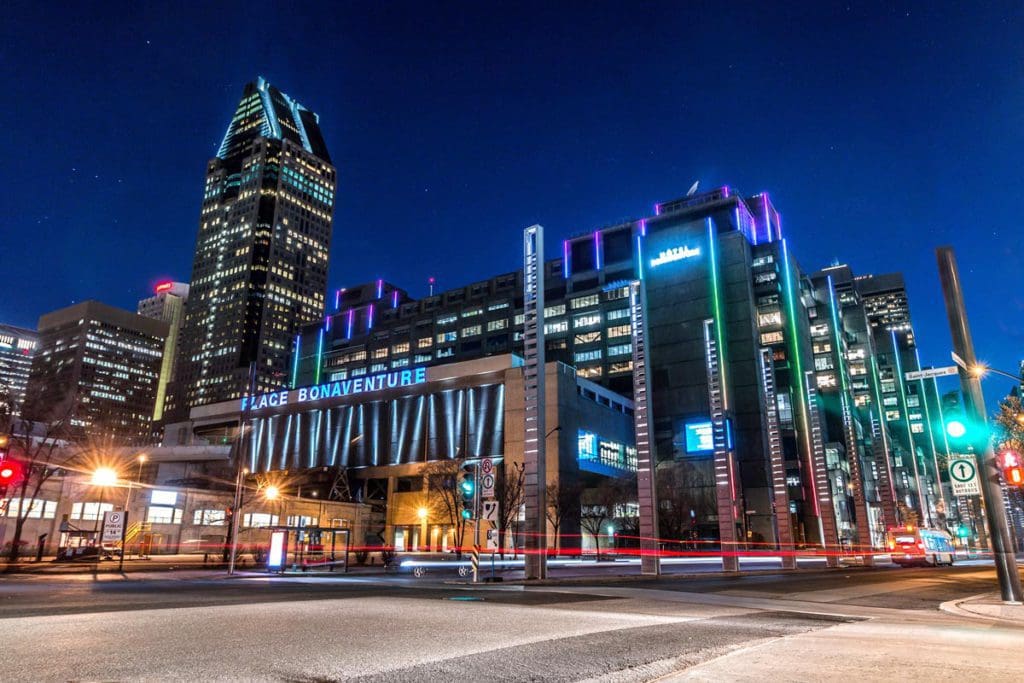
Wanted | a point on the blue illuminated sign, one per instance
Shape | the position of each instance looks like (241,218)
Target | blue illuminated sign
(674,254)
(345,387)
(700,437)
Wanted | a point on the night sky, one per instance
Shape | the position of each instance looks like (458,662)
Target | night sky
(881,130)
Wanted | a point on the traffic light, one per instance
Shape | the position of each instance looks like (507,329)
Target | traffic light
(10,473)
(1013,472)
(467,487)
(956,429)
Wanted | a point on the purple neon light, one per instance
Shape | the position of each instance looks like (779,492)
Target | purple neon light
(369,323)
(337,299)
(725,191)
(643,227)
(394,299)
(597,249)
(380,288)
(565,259)
(327,323)
(351,319)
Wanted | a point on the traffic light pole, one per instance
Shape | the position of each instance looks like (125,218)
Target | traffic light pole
(995,510)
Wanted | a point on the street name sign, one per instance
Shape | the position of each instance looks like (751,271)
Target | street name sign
(963,475)
(932,372)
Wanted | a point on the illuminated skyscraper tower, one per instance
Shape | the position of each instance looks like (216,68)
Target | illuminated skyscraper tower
(260,266)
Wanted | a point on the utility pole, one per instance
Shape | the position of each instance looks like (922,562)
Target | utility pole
(995,510)
(236,511)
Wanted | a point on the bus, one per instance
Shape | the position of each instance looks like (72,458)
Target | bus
(927,547)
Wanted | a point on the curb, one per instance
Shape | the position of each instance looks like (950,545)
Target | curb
(954,607)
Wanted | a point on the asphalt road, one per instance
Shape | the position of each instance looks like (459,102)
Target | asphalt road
(808,625)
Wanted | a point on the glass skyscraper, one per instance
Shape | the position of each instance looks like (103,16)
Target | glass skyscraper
(260,266)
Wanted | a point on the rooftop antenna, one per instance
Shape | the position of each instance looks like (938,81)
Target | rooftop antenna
(693,189)
(430,281)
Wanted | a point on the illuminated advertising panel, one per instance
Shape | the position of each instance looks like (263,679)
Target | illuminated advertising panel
(277,556)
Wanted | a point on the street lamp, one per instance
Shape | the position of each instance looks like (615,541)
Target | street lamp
(101,477)
(271,492)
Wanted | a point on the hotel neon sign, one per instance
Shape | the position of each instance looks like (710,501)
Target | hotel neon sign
(338,389)
(674,254)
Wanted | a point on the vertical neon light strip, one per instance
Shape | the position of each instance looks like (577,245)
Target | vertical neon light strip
(295,359)
(565,259)
(639,257)
(716,304)
(319,355)
(597,250)
(643,227)
(369,323)
(798,378)
(337,299)
(327,323)
(394,299)
(767,217)
(380,288)
(351,319)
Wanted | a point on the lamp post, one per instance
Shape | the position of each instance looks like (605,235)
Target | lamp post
(102,477)
(141,458)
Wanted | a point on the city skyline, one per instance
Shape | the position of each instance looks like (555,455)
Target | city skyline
(568,177)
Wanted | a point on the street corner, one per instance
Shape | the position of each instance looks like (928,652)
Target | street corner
(987,606)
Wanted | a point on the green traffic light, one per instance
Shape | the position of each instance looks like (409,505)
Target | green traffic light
(466,514)
(955,429)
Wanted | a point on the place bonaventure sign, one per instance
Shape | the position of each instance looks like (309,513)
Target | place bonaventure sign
(341,388)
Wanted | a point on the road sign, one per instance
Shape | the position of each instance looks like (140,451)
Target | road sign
(490,511)
(932,372)
(486,466)
(487,478)
(963,475)
(113,526)
(492,539)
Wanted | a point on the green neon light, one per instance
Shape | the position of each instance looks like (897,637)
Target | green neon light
(319,354)
(716,304)
(794,347)
(295,359)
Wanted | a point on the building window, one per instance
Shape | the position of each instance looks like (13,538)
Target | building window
(400,363)
(302,520)
(89,511)
(588,337)
(425,343)
(400,348)
(495,325)
(380,353)
(378,367)
(618,314)
(358,372)
(589,372)
(447,337)
(620,350)
(821,347)
(621,366)
(785,405)
(619,331)
(36,508)
(819,330)
(823,363)
(587,356)
(827,379)
(471,331)
(159,514)
(552,311)
(556,327)
(258,519)
(446,352)
(472,312)
(520,318)
(163,498)
(769,338)
(447,319)
(586,320)
(209,517)
(617,293)
(498,306)
(423,358)
(583,301)
(770,319)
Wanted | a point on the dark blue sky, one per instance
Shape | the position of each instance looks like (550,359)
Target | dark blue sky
(880,129)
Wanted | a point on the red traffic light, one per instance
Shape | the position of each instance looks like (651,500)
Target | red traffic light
(10,473)
(1014,476)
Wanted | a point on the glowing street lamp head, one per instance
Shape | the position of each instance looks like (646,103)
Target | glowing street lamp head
(104,476)
(271,493)
(979,370)
(422,513)
(955,429)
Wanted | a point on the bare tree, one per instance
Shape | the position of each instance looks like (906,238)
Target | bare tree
(443,489)
(600,505)
(1010,425)
(41,450)
(685,498)
(509,494)
(563,506)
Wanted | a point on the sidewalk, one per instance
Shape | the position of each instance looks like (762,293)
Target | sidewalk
(985,606)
